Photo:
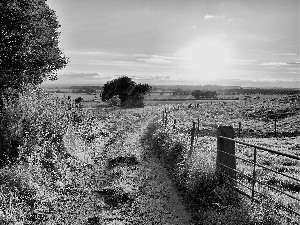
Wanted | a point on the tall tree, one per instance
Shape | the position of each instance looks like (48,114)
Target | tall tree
(29,51)
(127,90)
(121,87)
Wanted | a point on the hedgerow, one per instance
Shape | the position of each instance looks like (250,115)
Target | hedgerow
(32,153)
(33,119)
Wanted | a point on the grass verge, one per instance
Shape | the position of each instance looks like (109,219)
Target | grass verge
(208,196)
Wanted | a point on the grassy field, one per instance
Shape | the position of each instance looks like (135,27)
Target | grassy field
(195,172)
(152,99)
(66,153)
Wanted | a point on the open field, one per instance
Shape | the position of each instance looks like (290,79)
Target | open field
(99,164)
(94,100)
(86,97)
(257,128)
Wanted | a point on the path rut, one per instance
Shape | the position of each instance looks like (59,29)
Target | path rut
(156,199)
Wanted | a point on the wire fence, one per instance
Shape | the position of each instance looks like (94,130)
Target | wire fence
(259,190)
(226,163)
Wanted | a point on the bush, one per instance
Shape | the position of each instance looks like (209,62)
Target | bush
(114,101)
(33,119)
(78,100)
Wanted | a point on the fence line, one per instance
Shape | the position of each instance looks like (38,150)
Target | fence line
(226,164)
(226,158)
(197,105)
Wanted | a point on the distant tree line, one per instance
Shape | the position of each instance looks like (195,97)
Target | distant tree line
(179,91)
(88,90)
(253,91)
(204,94)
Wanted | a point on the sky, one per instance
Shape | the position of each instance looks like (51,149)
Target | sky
(223,42)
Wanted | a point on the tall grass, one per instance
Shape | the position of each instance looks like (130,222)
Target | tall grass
(36,164)
(207,194)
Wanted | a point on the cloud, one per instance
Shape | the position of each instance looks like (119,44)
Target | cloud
(85,76)
(157,59)
(274,64)
(263,83)
(244,61)
(157,77)
(217,17)
(294,63)
(80,52)
(207,17)
(285,54)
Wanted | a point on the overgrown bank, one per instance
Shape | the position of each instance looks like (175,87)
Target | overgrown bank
(207,195)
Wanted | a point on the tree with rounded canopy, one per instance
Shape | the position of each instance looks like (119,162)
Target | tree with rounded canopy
(129,93)
(29,51)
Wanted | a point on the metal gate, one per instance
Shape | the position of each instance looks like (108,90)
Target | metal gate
(226,163)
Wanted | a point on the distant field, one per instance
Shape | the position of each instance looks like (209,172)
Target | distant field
(94,101)
(65,90)
(86,97)
(155,96)
(191,101)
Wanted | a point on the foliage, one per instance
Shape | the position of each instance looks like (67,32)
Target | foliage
(129,93)
(76,160)
(135,100)
(29,51)
(63,153)
(33,119)
(114,101)
(78,100)
(194,175)
(204,94)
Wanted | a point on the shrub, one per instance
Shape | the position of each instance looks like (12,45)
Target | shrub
(78,100)
(114,101)
(34,119)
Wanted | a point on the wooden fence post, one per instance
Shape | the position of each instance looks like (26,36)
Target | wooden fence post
(240,125)
(192,138)
(226,161)
(275,128)
(166,119)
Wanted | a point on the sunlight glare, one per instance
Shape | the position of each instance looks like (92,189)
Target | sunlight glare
(206,58)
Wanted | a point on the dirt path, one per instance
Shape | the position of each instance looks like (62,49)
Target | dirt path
(160,200)
(125,193)
(155,200)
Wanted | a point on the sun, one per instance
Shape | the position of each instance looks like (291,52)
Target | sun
(206,58)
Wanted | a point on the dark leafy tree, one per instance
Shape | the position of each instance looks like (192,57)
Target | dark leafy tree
(29,51)
(120,87)
(140,89)
(114,101)
(127,90)
(197,94)
(137,95)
